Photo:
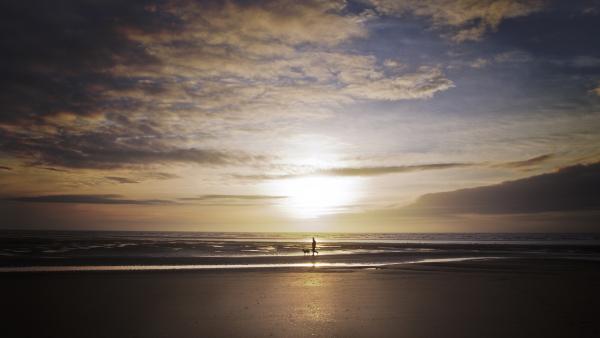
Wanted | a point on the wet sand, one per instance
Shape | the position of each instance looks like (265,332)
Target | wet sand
(497,298)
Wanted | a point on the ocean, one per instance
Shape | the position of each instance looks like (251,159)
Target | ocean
(29,251)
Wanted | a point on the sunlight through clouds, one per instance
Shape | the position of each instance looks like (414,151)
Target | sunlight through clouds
(314,196)
(287,114)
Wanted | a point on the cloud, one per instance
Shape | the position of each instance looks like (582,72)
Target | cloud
(596,91)
(568,189)
(89,199)
(237,197)
(122,180)
(469,20)
(585,61)
(160,176)
(140,177)
(5,168)
(423,83)
(286,21)
(234,200)
(265,177)
(590,11)
(383,170)
(87,58)
(54,55)
(479,63)
(111,149)
(357,171)
(232,197)
(118,84)
(515,56)
(54,169)
(526,163)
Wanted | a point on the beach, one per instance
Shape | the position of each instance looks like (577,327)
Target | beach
(510,297)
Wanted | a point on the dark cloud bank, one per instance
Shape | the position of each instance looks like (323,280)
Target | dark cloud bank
(62,58)
(574,188)
(56,56)
(566,200)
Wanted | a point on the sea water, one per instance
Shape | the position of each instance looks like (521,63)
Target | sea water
(128,250)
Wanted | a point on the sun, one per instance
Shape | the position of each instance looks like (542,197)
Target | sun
(313,196)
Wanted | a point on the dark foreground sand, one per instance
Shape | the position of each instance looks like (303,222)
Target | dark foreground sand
(504,298)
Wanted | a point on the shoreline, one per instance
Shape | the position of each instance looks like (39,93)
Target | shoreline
(266,261)
(274,266)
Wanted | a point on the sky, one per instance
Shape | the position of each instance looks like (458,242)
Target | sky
(357,116)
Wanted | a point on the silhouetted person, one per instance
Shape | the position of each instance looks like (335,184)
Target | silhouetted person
(314,246)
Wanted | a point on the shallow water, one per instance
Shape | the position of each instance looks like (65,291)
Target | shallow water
(209,250)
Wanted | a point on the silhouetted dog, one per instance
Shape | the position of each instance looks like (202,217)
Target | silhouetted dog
(307,252)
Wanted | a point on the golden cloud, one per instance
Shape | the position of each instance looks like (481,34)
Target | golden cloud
(472,19)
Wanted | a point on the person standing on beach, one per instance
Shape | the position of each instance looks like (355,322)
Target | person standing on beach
(314,246)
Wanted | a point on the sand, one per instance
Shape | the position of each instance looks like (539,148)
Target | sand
(503,298)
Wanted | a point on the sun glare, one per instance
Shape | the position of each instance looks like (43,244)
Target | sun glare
(310,197)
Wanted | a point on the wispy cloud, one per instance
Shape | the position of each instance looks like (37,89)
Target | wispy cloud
(358,171)
(110,149)
(514,56)
(526,163)
(160,176)
(122,180)
(89,199)
(374,171)
(232,197)
(54,169)
(234,200)
(140,177)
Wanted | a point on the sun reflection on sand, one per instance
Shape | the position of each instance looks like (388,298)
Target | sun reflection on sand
(318,298)
(313,282)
